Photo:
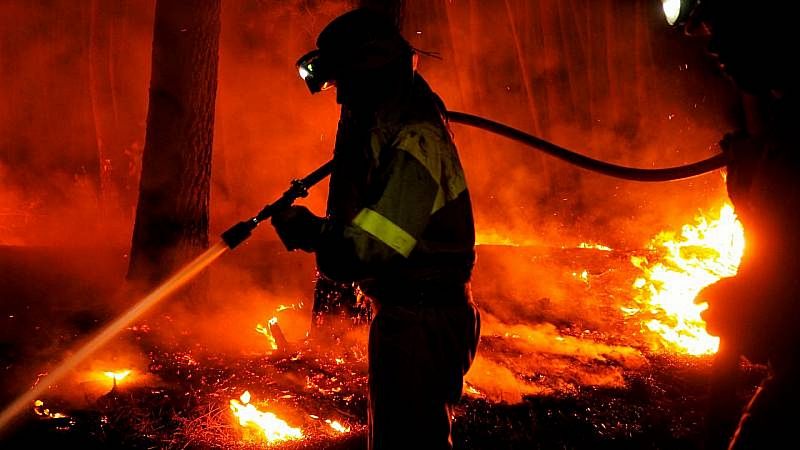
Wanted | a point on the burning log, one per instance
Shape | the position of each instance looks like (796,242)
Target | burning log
(277,333)
(274,335)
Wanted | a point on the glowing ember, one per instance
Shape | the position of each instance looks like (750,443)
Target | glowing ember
(583,276)
(40,410)
(294,307)
(471,390)
(698,256)
(337,426)
(273,428)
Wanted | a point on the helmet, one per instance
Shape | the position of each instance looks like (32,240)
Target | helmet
(358,41)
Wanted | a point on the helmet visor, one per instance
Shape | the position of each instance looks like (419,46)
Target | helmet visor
(314,70)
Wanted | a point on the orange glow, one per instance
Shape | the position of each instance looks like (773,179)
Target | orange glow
(697,256)
(266,423)
(117,376)
(495,237)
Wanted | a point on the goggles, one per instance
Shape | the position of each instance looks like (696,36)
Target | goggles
(315,71)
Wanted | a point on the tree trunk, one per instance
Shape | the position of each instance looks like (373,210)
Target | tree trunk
(102,98)
(114,129)
(172,211)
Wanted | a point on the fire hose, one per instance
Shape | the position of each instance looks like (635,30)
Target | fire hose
(299,188)
(582,161)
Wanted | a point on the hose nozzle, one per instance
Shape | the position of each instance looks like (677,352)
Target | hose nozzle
(238,233)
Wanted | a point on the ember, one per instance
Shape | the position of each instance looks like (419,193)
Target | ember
(273,428)
(583,276)
(40,410)
(694,258)
(602,247)
(336,425)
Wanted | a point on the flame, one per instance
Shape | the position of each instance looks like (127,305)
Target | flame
(266,332)
(696,257)
(583,276)
(601,247)
(273,428)
(117,376)
(472,390)
(337,426)
(40,410)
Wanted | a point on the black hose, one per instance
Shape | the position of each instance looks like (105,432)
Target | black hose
(626,173)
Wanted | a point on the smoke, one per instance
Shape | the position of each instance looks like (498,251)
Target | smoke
(60,140)
(63,212)
(552,363)
(606,77)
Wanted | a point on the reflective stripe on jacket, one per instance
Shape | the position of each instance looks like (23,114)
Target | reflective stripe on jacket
(415,220)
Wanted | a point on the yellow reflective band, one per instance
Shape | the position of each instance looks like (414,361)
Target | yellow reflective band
(385,231)
(425,143)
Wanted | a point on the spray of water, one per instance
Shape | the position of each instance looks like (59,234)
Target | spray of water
(169,286)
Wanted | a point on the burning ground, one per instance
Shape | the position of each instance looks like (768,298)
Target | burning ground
(584,346)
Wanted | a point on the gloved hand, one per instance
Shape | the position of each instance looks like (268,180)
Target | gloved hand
(727,311)
(298,228)
(737,313)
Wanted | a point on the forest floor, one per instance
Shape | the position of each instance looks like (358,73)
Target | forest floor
(580,375)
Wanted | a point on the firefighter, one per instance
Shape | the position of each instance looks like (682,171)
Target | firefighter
(755,313)
(399,223)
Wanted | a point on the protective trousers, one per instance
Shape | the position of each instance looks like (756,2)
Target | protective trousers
(418,356)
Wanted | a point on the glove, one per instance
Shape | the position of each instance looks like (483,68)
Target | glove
(738,313)
(298,228)
(727,314)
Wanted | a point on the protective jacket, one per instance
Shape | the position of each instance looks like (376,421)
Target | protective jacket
(399,212)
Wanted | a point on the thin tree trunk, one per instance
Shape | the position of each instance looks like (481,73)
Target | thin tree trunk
(172,212)
(97,85)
